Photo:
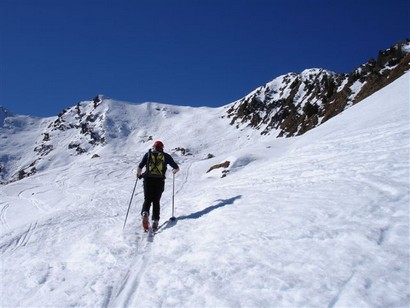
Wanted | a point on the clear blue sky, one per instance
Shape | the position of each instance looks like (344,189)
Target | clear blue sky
(54,54)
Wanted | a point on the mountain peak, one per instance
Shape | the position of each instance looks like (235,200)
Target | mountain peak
(405,47)
(4,113)
(294,103)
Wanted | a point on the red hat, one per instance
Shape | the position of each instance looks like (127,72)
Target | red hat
(158,145)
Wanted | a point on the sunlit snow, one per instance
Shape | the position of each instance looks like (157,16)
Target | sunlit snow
(319,220)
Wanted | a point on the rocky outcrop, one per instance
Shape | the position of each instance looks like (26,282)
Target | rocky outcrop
(80,126)
(294,103)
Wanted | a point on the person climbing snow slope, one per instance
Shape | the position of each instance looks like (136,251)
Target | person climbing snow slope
(155,162)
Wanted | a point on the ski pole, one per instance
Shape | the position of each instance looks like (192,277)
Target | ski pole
(173,197)
(132,196)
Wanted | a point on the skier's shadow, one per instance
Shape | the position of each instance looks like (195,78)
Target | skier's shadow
(170,223)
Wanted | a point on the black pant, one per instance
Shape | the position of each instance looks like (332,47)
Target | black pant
(153,189)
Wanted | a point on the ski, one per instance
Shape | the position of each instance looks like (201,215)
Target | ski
(150,231)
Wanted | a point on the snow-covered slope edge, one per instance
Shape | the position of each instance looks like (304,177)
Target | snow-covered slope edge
(317,220)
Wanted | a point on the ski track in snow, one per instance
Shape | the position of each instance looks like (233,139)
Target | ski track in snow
(127,294)
(3,215)
(129,286)
(72,239)
(320,220)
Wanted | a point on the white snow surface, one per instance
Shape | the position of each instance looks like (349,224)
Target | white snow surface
(319,220)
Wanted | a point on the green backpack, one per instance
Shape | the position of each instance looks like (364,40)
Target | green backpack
(155,164)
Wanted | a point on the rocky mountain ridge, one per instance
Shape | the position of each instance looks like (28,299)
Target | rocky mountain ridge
(287,106)
(294,103)
(91,129)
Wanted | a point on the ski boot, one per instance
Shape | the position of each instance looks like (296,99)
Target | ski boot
(145,221)
(155,226)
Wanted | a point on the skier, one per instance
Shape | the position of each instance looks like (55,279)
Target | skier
(155,162)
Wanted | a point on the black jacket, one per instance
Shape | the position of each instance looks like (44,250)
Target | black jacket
(168,161)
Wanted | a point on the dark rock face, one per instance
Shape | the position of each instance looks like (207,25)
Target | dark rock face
(294,103)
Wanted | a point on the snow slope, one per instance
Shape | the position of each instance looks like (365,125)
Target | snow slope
(320,220)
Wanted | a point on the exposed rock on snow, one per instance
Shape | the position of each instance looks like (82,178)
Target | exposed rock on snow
(294,103)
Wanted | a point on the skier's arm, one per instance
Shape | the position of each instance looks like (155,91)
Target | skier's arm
(141,165)
(170,161)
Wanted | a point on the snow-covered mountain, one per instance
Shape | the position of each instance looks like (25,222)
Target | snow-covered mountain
(318,220)
(289,105)
(95,128)
(294,103)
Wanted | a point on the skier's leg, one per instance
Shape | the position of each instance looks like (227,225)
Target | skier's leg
(159,188)
(148,196)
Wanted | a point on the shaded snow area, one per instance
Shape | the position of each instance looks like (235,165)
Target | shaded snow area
(320,220)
